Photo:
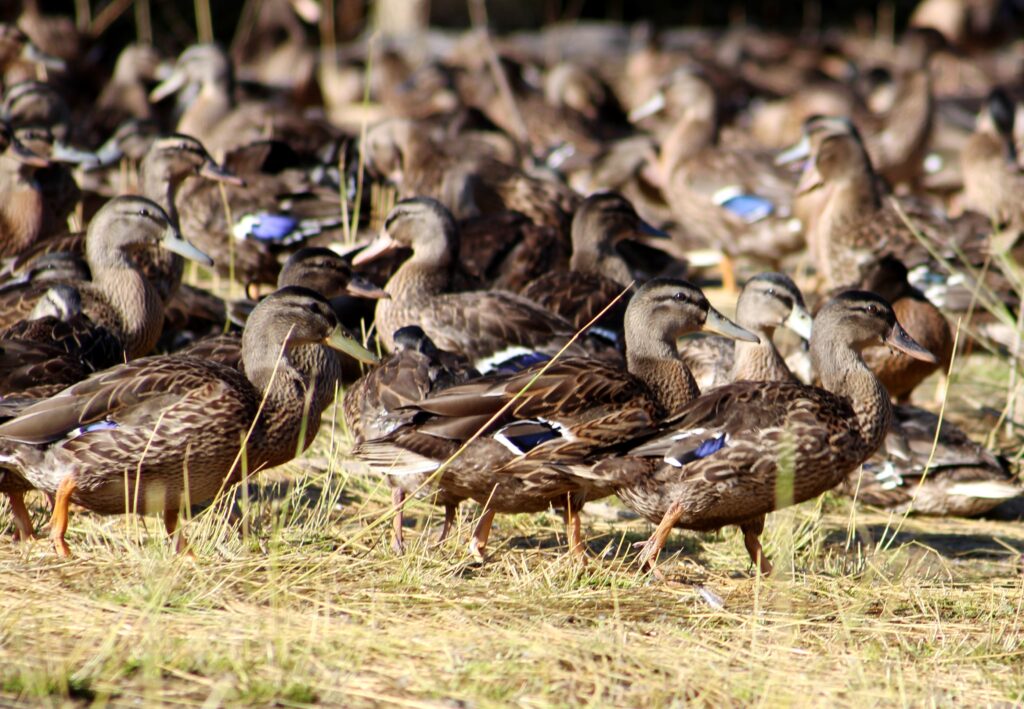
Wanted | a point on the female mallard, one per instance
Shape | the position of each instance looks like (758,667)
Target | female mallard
(22,207)
(597,273)
(164,431)
(529,436)
(385,399)
(479,325)
(740,451)
(940,474)
(119,297)
(767,301)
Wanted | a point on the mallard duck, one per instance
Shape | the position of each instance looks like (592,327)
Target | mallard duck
(159,432)
(899,373)
(767,301)
(940,474)
(993,179)
(56,346)
(597,272)
(203,77)
(480,325)
(720,461)
(528,436)
(19,57)
(734,200)
(22,208)
(118,298)
(385,399)
(467,181)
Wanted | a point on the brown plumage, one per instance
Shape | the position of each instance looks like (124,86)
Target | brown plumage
(477,324)
(723,459)
(767,301)
(149,423)
(535,454)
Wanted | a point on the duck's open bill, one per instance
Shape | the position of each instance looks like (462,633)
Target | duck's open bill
(800,321)
(378,247)
(174,243)
(344,342)
(902,341)
(721,325)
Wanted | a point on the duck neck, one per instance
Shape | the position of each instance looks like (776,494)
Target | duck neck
(212,103)
(843,372)
(656,363)
(684,141)
(161,187)
(136,304)
(600,261)
(759,361)
(427,272)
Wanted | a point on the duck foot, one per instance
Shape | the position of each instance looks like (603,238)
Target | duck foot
(650,549)
(478,543)
(59,518)
(23,530)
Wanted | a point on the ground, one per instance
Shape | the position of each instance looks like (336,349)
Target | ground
(295,597)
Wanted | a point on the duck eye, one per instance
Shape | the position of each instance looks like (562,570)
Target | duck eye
(143,213)
(771,291)
(679,296)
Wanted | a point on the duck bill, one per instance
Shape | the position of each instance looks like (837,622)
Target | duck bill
(720,325)
(212,171)
(110,152)
(800,322)
(899,339)
(32,53)
(68,155)
(342,341)
(174,243)
(644,228)
(359,287)
(800,151)
(383,244)
(648,108)
(171,85)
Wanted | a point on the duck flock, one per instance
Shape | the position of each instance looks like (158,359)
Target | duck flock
(521,224)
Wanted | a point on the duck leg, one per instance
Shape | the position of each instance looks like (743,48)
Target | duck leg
(728,268)
(59,518)
(480,535)
(449,520)
(181,545)
(752,541)
(23,530)
(573,529)
(652,547)
(397,533)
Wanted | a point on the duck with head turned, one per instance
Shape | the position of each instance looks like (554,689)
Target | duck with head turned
(480,325)
(164,431)
(768,301)
(559,416)
(742,450)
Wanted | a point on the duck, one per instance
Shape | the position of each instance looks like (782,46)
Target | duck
(735,200)
(766,302)
(385,398)
(716,463)
(119,298)
(469,181)
(56,346)
(597,272)
(482,325)
(899,373)
(22,208)
(19,57)
(521,441)
(932,469)
(993,178)
(121,440)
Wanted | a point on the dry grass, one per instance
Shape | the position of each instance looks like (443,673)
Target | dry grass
(303,602)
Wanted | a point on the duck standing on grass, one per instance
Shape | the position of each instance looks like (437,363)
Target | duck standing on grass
(160,432)
(743,450)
